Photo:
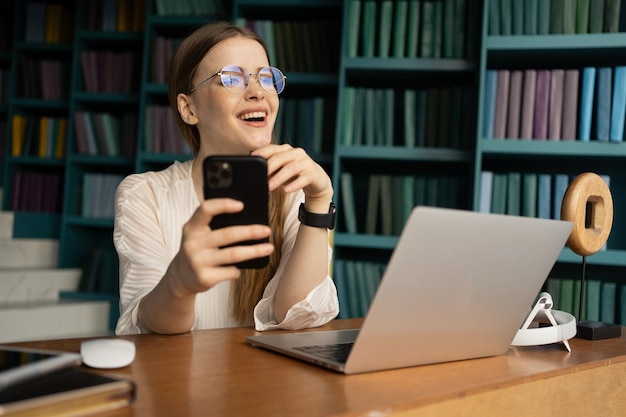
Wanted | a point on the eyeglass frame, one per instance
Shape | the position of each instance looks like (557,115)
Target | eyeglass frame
(247,74)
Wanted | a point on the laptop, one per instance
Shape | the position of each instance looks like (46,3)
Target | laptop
(458,285)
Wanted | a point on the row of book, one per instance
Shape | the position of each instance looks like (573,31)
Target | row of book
(435,117)
(379,204)
(98,195)
(356,282)
(100,272)
(543,17)
(49,22)
(307,123)
(527,194)
(43,136)
(105,134)
(603,301)
(299,46)
(572,104)
(114,15)
(190,7)
(162,134)
(410,28)
(36,191)
(161,51)
(47,79)
(102,74)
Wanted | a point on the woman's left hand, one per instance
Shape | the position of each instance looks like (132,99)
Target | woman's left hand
(293,169)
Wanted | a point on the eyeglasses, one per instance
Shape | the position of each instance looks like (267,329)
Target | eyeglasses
(236,80)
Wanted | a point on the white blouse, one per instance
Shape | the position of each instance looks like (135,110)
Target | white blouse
(150,211)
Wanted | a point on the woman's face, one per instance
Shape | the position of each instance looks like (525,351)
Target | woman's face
(231,123)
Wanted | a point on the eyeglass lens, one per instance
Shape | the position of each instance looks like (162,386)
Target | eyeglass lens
(236,80)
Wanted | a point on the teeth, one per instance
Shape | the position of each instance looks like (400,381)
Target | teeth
(254,115)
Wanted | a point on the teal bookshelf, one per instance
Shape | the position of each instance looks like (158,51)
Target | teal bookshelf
(444,164)
(557,156)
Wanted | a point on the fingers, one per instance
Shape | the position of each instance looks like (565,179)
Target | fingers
(211,208)
(293,169)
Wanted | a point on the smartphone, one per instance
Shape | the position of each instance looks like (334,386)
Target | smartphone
(21,364)
(242,178)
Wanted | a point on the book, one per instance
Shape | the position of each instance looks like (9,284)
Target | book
(413,29)
(400,28)
(593,295)
(531,10)
(570,104)
(372,216)
(502,102)
(427,27)
(582,16)
(506,17)
(354,19)
(618,106)
(528,104)
(567,296)
(368,28)
(603,103)
(494,18)
(347,199)
(489,111)
(499,193)
(561,182)
(596,16)
(514,105)
(517,18)
(587,93)
(608,301)
(448,29)
(542,101)
(555,106)
(514,193)
(529,194)
(544,196)
(486,187)
(543,17)
(385,28)
(569,16)
(610,22)
(70,391)
(461,28)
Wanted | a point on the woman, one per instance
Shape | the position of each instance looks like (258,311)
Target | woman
(173,268)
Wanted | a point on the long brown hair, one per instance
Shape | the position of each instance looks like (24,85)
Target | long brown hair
(248,289)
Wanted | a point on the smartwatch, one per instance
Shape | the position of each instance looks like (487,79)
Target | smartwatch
(318,220)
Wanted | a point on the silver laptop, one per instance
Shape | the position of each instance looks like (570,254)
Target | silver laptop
(459,285)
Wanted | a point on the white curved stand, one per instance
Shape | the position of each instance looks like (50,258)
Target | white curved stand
(562,328)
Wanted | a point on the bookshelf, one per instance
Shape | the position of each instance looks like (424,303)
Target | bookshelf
(513,45)
(7,13)
(121,92)
(34,162)
(407,82)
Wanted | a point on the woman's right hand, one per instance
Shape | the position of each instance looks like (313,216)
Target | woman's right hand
(204,258)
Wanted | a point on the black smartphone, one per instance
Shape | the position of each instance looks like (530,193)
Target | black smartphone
(242,178)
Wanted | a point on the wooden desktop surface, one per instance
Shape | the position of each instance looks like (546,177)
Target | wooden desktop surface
(214,372)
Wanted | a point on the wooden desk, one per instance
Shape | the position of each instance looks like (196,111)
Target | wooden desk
(214,372)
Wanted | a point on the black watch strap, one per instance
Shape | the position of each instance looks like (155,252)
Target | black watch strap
(318,220)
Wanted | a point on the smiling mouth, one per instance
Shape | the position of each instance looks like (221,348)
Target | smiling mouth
(253,117)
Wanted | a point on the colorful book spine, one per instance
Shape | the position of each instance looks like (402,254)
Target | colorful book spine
(586,103)
(603,104)
(542,101)
(618,107)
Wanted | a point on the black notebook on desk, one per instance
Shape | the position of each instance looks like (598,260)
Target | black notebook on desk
(459,285)
(69,392)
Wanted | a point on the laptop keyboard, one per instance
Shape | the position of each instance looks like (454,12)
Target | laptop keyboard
(337,352)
